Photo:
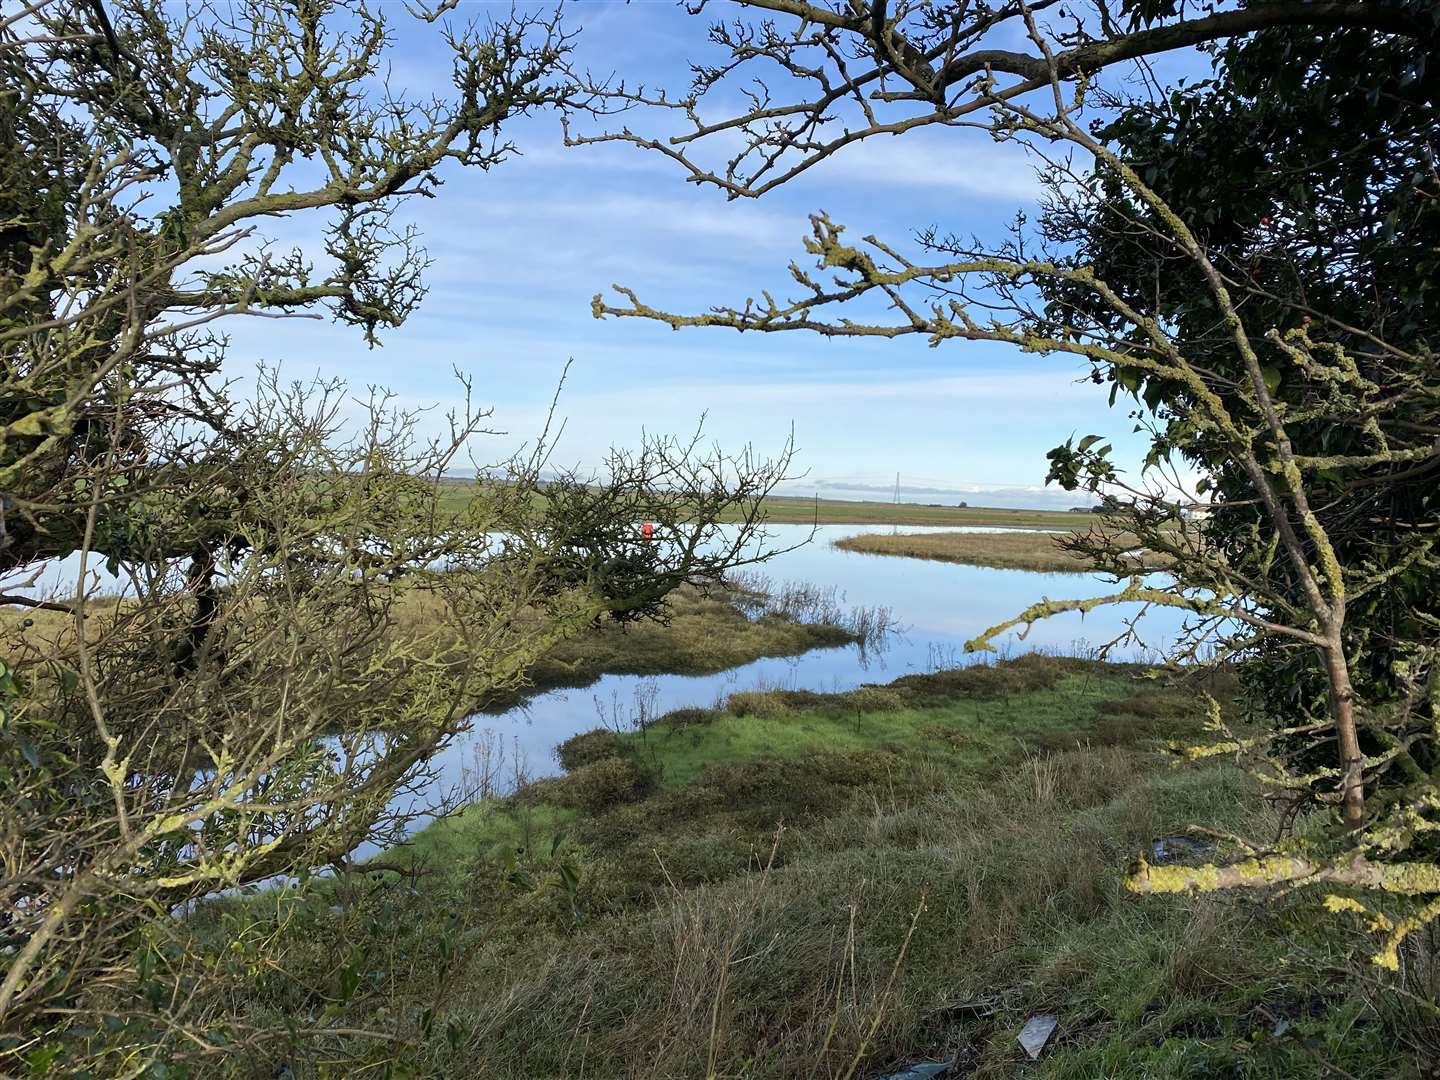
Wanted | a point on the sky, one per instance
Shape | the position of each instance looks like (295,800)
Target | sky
(519,250)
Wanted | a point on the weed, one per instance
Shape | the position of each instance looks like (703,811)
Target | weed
(597,786)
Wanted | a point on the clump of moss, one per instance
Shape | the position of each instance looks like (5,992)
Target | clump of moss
(600,785)
(984,682)
(587,748)
(691,717)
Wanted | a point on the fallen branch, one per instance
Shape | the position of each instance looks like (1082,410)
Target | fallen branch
(1404,879)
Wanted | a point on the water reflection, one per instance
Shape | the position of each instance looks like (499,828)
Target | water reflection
(939,606)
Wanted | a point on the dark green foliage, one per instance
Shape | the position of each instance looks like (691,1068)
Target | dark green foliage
(1307,167)
(600,785)
(586,748)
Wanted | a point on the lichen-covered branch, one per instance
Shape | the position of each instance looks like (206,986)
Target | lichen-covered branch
(820,78)
(1403,879)
(1256,326)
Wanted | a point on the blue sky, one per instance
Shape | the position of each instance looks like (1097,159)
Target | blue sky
(519,251)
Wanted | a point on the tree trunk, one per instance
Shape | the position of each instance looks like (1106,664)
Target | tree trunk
(1342,709)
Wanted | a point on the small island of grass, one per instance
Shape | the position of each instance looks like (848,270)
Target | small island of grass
(1011,550)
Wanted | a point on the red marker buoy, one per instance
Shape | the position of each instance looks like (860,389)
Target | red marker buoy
(647,531)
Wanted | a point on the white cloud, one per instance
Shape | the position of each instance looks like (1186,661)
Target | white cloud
(962,163)
(559,211)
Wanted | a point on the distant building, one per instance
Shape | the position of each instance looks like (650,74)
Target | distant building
(1084,509)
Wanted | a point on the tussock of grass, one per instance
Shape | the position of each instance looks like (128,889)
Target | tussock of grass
(588,747)
(1005,551)
(699,937)
(703,633)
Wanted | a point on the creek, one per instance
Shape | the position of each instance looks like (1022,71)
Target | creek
(936,607)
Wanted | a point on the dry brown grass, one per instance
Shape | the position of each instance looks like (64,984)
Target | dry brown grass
(30,633)
(1002,550)
(702,633)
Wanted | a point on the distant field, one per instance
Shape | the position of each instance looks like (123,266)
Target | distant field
(844,512)
(1006,551)
(795,511)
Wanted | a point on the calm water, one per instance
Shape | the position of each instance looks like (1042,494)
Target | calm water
(939,606)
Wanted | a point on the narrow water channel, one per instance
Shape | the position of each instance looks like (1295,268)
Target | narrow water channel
(935,606)
(938,607)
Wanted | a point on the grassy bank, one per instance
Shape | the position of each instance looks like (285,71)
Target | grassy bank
(702,633)
(802,885)
(1006,551)
(788,510)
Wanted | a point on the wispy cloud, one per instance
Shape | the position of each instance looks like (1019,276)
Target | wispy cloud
(1035,386)
(958,162)
(519,251)
(652,214)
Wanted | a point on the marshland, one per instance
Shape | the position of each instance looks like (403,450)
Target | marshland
(758,539)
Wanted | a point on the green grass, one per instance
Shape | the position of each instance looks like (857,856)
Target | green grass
(731,892)
(448,846)
(968,727)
